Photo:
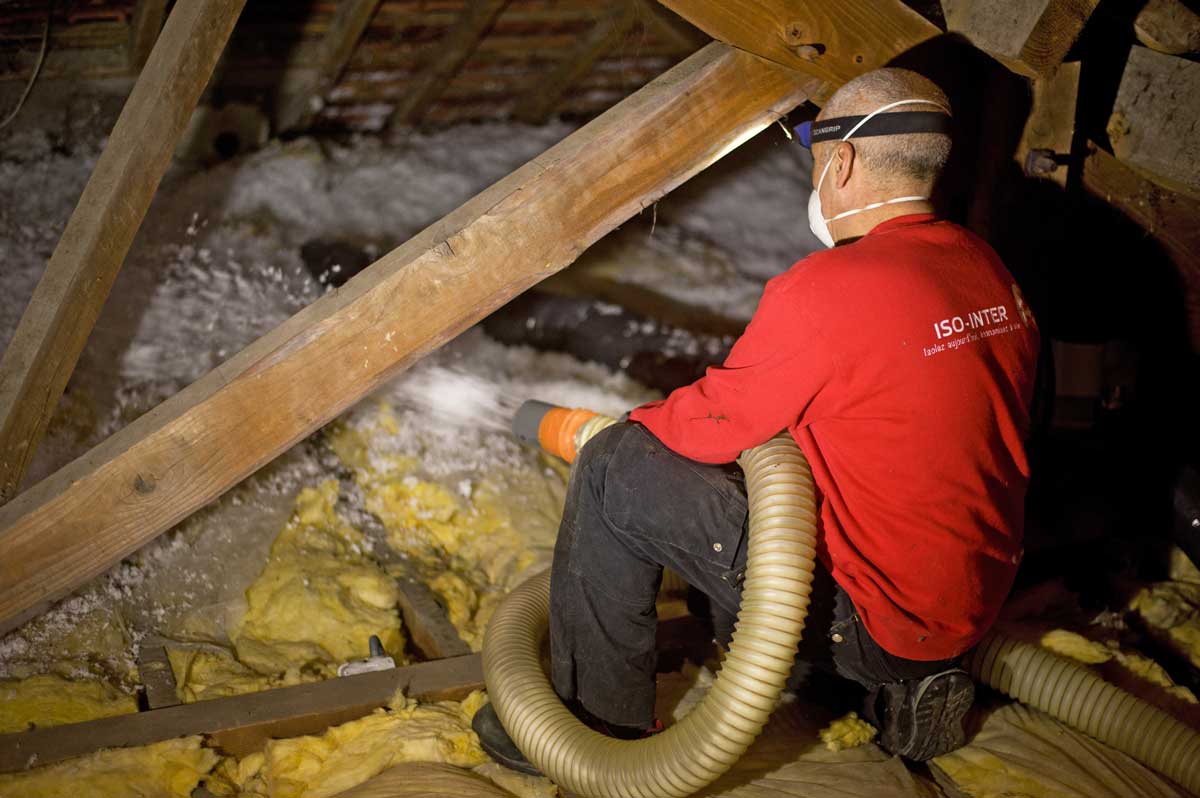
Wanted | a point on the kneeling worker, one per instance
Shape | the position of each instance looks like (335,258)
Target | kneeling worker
(901,360)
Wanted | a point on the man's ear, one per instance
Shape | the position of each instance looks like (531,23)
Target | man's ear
(843,163)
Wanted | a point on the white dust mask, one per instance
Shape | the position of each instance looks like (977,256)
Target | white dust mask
(816,219)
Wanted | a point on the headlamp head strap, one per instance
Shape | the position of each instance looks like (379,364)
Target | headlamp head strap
(896,123)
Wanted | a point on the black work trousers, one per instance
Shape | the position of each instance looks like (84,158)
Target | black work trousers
(633,506)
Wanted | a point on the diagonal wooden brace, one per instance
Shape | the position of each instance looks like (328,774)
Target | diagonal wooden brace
(183,454)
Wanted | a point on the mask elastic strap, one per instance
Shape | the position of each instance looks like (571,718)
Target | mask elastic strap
(850,133)
(872,207)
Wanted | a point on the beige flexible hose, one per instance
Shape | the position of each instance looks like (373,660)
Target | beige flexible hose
(1078,697)
(706,743)
(694,752)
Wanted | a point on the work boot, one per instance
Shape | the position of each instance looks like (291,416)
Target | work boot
(499,746)
(494,740)
(921,719)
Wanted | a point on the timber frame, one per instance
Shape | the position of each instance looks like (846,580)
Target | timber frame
(770,56)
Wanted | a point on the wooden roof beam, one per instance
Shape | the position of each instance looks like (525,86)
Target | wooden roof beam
(835,40)
(546,92)
(446,57)
(301,103)
(1030,37)
(173,460)
(1155,119)
(55,326)
(144,28)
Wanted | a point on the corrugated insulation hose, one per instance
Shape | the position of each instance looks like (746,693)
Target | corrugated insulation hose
(780,560)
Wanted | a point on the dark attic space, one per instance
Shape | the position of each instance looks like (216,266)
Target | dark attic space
(618,399)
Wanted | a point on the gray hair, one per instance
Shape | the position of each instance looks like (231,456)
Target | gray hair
(917,156)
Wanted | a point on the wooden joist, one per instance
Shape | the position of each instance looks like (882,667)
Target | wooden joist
(1030,37)
(446,57)
(1154,122)
(183,454)
(144,28)
(834,40)
(56,324)
(308,87)
(546,92)
(240,725)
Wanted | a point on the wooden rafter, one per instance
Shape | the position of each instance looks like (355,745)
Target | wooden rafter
(55,326)
(144,28)
(189,450)
(546,91)
(1050,127)
(446,57)
(300,106)
(1030,37)
(834,40)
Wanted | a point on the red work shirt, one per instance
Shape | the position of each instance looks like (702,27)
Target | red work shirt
(903,365)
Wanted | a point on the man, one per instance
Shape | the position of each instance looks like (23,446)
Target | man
(902,362)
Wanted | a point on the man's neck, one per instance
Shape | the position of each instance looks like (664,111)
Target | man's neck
(860,224)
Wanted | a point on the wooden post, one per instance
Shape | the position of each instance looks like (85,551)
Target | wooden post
(835,40)
(299,108)
(1154,123)
(144,28)
(189,450)
(445,57)
(541,97)
(1030,37)
(67,300)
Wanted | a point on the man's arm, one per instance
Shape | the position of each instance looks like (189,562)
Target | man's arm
(770,377)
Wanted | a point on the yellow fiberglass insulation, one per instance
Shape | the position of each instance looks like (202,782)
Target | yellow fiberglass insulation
(49,700)
(201,675)
(349,754)
(1093,652)
(1173,608)
(170,769)
(314,606)
(465,545)
(849,731)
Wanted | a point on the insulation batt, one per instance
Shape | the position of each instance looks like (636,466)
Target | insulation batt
(50,700)
(170,769)
(849,731)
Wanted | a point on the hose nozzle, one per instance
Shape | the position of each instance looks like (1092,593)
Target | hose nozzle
(561,431)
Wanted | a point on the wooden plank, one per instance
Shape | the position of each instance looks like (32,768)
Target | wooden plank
(1030,37)
(1050,127)
(158,680)
(240,725)
(189,450)
(445,57)
(835,40)
(1172,219)
(300,106)
(144,28)
(1168,26)
(56,324)
(425,618)
(1154,123)
(544,94)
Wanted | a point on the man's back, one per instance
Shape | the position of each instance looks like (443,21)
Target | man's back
(903,364)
